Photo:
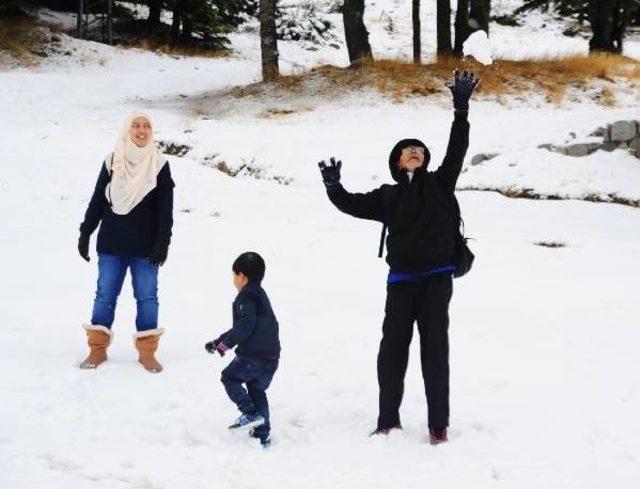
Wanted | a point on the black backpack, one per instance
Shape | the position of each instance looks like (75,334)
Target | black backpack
(462,255)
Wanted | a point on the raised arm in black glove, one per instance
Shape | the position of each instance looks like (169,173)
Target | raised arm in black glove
(159,253)
(462,88)
(331,173)
(83,246)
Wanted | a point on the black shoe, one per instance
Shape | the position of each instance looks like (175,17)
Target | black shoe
(384,431)
(438,436)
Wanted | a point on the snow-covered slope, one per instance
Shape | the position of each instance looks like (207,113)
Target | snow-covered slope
(544,341)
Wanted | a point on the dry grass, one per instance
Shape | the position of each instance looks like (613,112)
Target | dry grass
(280,112)
(551,244)
(608,97)
(527,193)
(26,39)
(402,79)
(177,50)
(197,110)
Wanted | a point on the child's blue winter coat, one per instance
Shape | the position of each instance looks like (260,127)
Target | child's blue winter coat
(255,327)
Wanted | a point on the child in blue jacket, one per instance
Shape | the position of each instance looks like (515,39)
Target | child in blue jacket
(255,334)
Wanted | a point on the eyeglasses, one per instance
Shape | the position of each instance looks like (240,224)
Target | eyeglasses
(409,149)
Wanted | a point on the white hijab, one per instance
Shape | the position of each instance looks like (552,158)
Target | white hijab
(134,170)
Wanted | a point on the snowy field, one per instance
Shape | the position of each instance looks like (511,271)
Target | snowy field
(545,374)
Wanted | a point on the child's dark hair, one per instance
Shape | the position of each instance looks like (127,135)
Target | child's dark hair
(251,265)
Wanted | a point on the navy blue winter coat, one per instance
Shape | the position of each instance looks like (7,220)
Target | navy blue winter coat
(255,327)
(135,233)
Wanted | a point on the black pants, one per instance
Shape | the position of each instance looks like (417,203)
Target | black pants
(426,302)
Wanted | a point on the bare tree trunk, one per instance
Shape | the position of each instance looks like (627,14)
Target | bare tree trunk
(187,22)
(443,28)
(178,12)
(355,32)
(461,26)
(417,42)
(155,8)
(601,19)
(621,19)
(269,40)
(479,15)
(79,17)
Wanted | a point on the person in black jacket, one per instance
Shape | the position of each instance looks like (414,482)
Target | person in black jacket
(133,203)
(420,243)
(255,333)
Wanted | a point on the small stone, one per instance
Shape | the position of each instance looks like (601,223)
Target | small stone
(581,149)
(479,158)
(635,143)
(553,147)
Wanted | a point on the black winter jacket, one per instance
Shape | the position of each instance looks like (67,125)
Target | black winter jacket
(419,214)
(133,234)
(255,327)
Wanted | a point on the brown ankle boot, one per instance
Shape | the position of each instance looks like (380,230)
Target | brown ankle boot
(98,338)
(147,344)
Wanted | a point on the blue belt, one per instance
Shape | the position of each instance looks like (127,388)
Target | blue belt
(395,277)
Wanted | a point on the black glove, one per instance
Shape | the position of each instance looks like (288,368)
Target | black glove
(159,253)
(216,346)
(462,88)
(331,173)
(83,246)
(212,346)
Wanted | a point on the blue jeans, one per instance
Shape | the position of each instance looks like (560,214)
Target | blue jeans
(257,375)
(144,276)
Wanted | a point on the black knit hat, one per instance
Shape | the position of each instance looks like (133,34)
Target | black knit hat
(397,173)
(251,265)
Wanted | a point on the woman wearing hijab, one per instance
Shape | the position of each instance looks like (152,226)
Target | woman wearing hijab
(133,199)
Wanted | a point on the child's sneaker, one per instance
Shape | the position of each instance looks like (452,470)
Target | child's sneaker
(247,421)
(438,436)
(265,440)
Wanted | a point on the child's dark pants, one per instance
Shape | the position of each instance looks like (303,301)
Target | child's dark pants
(257,375)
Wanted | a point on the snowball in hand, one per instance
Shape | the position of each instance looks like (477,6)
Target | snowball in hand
(477,45)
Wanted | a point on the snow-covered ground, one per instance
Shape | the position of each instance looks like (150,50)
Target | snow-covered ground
(545,377)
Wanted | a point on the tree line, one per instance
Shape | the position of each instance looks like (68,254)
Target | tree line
(609,20)
(207,21)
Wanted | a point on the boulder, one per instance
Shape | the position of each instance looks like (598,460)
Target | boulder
(609,146)
(624,130)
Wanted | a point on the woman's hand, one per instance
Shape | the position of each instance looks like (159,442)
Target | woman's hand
(462,88)
(83,246)
(159,253)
